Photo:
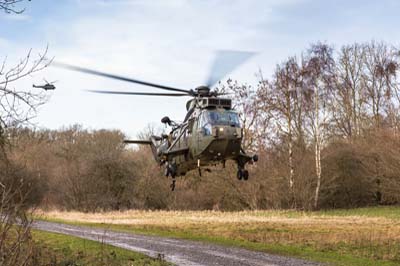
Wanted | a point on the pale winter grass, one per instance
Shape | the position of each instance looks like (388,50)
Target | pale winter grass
(138,217)
(374,237)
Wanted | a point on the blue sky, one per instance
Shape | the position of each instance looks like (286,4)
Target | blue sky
(172,42)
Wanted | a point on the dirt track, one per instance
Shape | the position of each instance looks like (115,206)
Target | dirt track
(177,251)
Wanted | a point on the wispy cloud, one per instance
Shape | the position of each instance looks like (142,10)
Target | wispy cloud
(15,17)
(172,43)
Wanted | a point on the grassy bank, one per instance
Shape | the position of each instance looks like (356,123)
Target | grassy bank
(369,236)
(57,249)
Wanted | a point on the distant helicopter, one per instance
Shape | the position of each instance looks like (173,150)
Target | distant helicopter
(49,86)
(210,132)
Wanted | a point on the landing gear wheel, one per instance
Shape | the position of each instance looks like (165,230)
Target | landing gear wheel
(255,158)
(166,172)
(170,170)
(242,174)
(172,186)
(239,174)
(245,174)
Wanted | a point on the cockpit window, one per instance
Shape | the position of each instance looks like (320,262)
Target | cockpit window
(220,118)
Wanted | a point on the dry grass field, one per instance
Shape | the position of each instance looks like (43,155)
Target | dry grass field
(368,236)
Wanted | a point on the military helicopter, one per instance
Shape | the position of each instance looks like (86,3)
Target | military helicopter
(47,87)
(210,132)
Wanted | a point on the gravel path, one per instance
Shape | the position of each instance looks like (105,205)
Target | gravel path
(177,251)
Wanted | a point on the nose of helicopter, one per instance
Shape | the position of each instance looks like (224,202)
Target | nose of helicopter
(226,142)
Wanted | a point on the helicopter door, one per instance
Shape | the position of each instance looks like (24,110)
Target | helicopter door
(203,130)
(196,133)
(195,138)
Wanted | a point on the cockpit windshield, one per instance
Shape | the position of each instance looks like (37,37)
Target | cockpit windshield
(221,118)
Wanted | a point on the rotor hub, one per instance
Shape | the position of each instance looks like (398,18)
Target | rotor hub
(203,91)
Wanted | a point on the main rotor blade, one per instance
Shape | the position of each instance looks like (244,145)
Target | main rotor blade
(140,93)
(112,76)
(226,61)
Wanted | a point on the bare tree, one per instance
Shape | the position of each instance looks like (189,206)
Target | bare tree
(380,63)
(280,104)
(349,94)
(319,73)
(18,106)
(9,6)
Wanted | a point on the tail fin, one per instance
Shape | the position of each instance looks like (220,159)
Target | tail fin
(143,142)
(153,145)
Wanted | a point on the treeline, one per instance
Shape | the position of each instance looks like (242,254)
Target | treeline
(326,127)
(329,120)
(77,169)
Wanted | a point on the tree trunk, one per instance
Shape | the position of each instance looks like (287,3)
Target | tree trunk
(291,173)
(317,147)
(290,153)
(318,172)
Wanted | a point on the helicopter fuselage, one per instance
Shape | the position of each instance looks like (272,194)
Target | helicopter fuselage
(206,148)
(211,135)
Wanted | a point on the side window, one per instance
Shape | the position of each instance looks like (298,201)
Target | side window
(234,119)
(198,122)
(201,120)
(214,117)
(205,124)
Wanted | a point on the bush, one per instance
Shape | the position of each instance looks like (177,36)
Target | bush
(348,180)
